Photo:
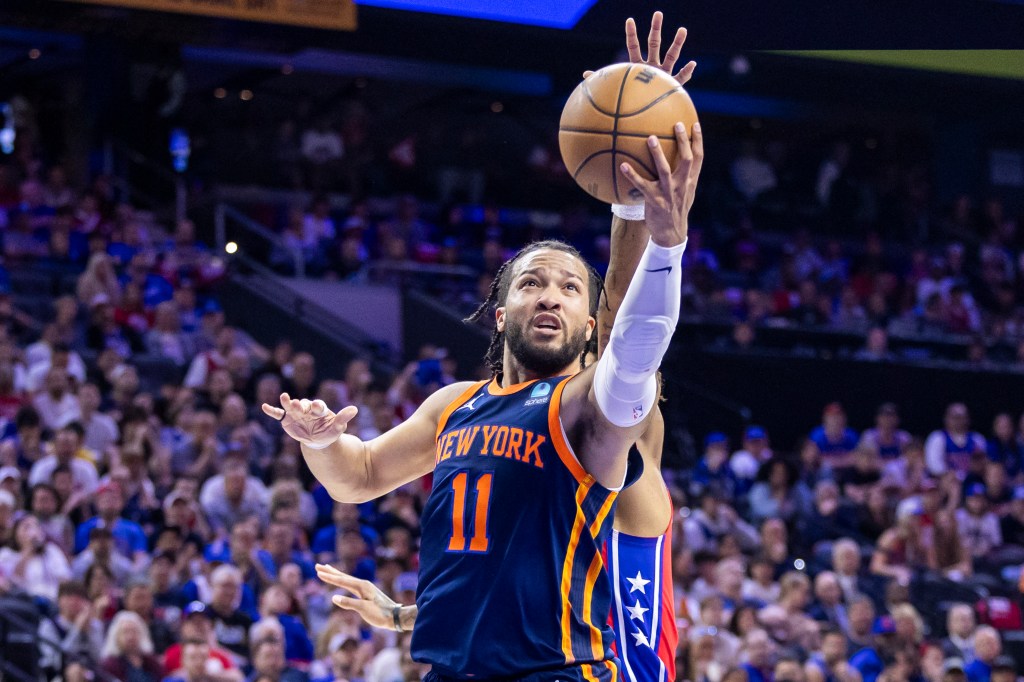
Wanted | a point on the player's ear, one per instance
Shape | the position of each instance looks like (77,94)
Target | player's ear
(591,324)
(499,318)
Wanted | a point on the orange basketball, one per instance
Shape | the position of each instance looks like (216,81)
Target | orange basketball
(607,121)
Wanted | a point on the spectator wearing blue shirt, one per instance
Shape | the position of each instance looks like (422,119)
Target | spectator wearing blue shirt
(713,469)
(870,661)
(275,603)
(834,438)
(345,516)
(1004,448)
(129,539)
(987,650)
(758,647)
(279,549)
(352,556)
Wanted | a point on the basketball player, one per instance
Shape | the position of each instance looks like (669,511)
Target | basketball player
(511,580)
(640,548)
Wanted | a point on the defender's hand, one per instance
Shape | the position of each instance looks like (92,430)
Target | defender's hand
(310,423)
(669,198)
(654,49)
(375,607)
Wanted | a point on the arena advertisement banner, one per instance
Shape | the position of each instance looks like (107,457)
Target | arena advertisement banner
(325,14)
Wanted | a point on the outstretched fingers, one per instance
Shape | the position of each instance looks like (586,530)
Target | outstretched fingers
(633,42)
(332,576)
(686,73)
(674,50)
(654,40)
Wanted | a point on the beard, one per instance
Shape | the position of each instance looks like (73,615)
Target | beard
(546,361)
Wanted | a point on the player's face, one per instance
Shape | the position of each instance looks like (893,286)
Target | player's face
(546,316)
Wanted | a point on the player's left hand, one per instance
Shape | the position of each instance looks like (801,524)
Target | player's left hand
(654,49)
(668,198)
(369,602)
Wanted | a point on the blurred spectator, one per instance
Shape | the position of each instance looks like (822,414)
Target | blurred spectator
(99,280)
(904,549)
(960,624)
(713,520)
(778,492)
(876,349)
(950,449)
(979,527)
(835,440)
(886,438)
(987,648)
(746,462)
(128,650)
(268,663)
(33,563)
(66,453)
(78,632)
(230,624)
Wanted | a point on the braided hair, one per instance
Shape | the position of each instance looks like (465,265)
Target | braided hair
(498,294)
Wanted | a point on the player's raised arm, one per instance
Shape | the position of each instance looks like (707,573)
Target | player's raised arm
(356,471)
(614,398)
(629,236)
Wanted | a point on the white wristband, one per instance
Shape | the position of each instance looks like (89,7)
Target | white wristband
(634,212)
(319,447)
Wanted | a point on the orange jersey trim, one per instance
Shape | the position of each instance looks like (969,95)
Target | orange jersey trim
(596,567)
(454,405)
(588,673)
(565,453)
(570,556)
(494,388)
(596,642)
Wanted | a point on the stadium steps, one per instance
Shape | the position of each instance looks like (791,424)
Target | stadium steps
(261,303)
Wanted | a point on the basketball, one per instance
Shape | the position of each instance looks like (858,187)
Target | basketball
(607,121)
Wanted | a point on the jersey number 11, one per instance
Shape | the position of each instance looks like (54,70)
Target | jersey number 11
(479,541)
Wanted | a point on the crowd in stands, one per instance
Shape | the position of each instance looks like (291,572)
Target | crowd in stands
(162,527)
(968,292)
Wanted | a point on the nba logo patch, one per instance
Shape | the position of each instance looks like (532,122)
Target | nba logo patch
(539,395)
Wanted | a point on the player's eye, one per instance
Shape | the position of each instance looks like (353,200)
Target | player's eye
(572,287)
(530,282)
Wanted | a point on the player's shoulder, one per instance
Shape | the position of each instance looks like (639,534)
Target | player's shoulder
(440,399)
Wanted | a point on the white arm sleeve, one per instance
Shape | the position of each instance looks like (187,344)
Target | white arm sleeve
(624,380)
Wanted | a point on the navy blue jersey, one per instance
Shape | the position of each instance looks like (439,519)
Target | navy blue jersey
(512,581)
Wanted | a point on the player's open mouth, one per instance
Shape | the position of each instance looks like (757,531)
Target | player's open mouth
(547,321)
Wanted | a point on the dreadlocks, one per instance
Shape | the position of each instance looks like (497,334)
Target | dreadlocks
(499,293)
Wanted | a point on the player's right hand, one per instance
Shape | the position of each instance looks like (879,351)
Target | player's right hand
(310,422)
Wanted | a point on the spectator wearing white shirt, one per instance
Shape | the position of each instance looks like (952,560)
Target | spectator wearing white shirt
(33,563)
(57,405)
(233,496)
(47,353)
(745,463)
(951,448)
(66,444)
